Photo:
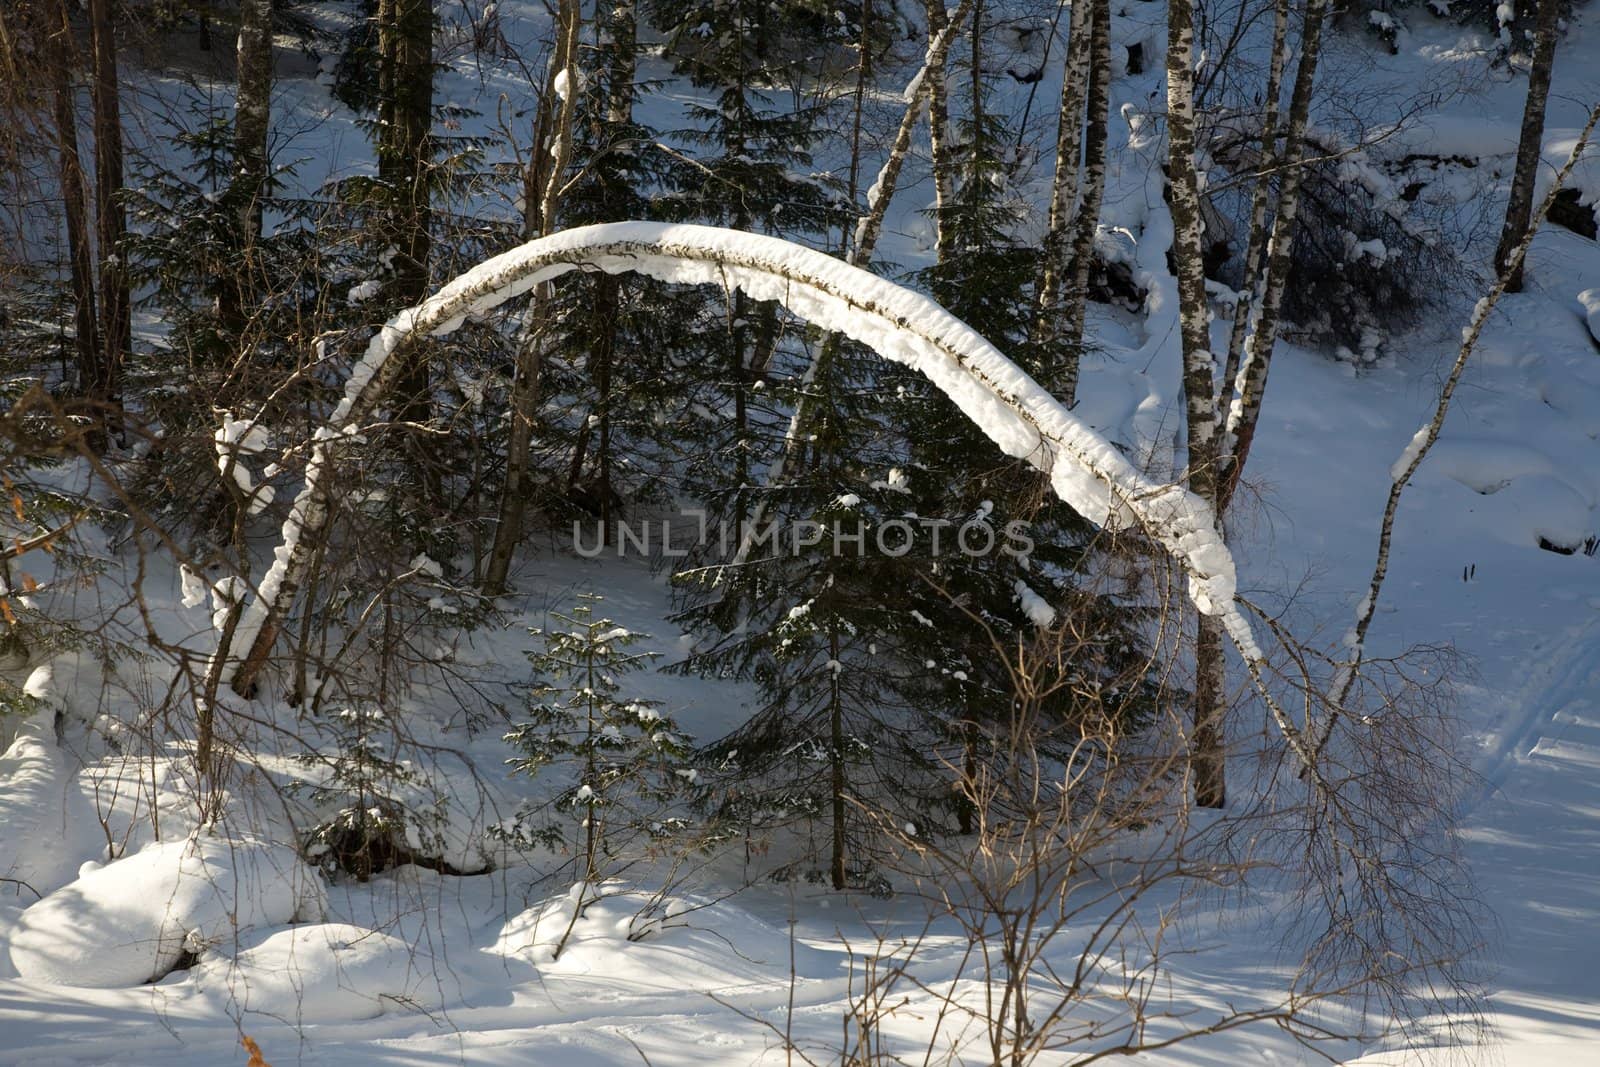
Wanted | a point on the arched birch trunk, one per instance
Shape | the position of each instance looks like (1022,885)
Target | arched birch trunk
(1086,470)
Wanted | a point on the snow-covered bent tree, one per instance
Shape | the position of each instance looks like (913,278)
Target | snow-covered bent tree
(1024,420)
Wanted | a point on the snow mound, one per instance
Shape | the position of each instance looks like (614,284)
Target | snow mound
(1589,300)
(321,972)
(1487,466)
(1539,511)
(131,921)
(35,793)
(645,943)
(1577,401)
(1534,501)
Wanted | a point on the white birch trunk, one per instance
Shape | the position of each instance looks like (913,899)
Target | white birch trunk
(1064,184)
(525,386)
(1249,387)
(1530,142)
(939,126)
(1254,275)
(868,227)
(1199,383)
(1425,438)
(1087,223)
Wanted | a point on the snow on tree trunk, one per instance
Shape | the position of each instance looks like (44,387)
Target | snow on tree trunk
(566,88)
(1087,223)
(1530,142)
(1249,387)
(1254,275)
(1085,469)
(1064,185)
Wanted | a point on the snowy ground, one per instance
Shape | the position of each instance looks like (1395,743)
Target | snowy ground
(417,968)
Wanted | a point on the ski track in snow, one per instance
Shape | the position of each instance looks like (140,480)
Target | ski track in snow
(1549,727)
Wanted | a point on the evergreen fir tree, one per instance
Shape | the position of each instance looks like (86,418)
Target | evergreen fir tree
(614,367)
(377,810)
(750,172)
(623,759)
(957,478)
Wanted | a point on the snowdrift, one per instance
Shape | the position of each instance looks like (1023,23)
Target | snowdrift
(133,920)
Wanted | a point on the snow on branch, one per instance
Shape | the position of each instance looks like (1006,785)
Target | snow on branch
(1013,410)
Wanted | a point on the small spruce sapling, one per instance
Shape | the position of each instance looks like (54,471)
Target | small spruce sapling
(375,804)
(624,758)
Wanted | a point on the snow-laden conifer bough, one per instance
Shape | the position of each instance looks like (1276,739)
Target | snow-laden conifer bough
(1013,410)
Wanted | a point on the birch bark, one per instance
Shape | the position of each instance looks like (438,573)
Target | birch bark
(1199,384)
(1249,387)
(1530,143)
(1064,184)
(548,167)
(1260,196)
(1422,443)
(1087,223)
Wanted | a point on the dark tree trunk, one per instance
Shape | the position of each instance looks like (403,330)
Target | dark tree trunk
(79,250)
(405,113)
(251,123)
(1532,140)
(838,785)
(116,322)
(622,30)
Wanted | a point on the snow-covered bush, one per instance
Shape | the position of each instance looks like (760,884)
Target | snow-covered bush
(373,807)
(1362,269)
(1510,22)
(1370,252)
